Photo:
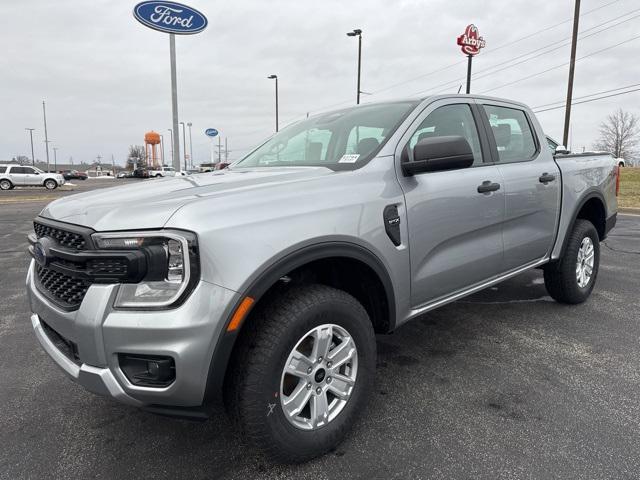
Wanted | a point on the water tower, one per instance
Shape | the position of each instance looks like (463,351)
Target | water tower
(151,140)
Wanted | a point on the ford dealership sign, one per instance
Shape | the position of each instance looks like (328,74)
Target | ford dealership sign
(211,132)
(170,17)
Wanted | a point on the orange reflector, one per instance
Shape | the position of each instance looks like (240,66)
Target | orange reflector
(240,313)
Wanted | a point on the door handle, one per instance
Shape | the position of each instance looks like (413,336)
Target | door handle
(546,178)
(487,187)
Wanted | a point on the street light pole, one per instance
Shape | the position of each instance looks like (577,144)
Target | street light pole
(184,144)
(55,158)
(358,33)
(33,158)
(190,144)
(275,77)
(46,138)
(171,132)
(162,149)
(572,67)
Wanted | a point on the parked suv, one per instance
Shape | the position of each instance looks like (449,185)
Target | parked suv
(12,175)
(343,225)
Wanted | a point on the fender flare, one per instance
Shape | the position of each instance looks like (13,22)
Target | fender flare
(267,277)
(592,193)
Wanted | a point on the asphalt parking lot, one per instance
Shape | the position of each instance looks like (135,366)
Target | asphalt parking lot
(503,384)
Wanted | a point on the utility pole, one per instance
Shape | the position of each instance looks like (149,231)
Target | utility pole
(162,149)
(55,158)
(219,149)
(226,151)
(33,158)
(172,155)
(113,165)
(46,138)
(572,67)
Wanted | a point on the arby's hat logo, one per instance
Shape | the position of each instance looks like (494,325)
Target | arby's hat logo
(471,41)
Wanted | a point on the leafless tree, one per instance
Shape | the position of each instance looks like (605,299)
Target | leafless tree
(620,135)
(137,156)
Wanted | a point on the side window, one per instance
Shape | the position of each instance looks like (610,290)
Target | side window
(29,170)
(511,129)
(19,170)
(3,169)
(552,145)
(454,119)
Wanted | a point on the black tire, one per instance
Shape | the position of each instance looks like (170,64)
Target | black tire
(5,184)
(256,370)
(560,277)
(50,184)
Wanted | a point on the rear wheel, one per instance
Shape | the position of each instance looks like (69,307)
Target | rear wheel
(50,184)
(5,184)
(303,372)
(572,279)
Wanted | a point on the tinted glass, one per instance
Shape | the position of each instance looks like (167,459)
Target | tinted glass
(341,138)
(3,169)
(511,129)
(28,170)
(450,120)
(19,170)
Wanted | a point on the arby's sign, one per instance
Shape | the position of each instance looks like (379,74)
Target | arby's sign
(470,41)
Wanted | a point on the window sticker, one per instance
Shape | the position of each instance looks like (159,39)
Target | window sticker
(351,158)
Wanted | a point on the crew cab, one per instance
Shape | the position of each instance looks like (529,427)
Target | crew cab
(346,224)
(12,175)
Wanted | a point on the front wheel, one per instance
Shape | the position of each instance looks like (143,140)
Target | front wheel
(50,184)
(572,279)
(303,372)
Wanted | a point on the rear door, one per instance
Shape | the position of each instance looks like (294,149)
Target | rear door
(531,182)
(17,175)
(455,232)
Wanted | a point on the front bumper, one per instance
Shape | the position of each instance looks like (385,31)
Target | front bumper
(99,333)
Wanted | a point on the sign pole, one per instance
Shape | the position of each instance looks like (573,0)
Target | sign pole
(470,61)
(174,103)
(572,67)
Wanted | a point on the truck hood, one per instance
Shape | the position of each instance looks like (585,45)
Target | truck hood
(150,204)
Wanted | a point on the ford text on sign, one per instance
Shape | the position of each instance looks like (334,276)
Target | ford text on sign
(170,17)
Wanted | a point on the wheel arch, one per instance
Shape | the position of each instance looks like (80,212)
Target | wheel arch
(591,207)
(319,255)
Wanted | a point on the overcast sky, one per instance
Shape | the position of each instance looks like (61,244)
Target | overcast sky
(105,77)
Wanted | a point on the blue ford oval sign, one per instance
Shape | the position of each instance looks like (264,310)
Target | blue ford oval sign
(211,132)
(170,17)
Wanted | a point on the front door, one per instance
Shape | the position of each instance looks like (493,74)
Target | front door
(31,177)
(531,183)
(455,231)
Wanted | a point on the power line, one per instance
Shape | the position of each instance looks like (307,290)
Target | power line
(490,70)
(590,100)
(500,47)
(433,72)
(587,96)
(561,65)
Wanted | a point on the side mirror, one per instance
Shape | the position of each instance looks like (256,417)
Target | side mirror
(439,153)
(562,150)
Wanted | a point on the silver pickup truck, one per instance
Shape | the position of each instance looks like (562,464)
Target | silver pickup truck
(263,284)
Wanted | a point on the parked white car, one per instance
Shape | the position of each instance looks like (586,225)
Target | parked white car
(12,175)
(162,172)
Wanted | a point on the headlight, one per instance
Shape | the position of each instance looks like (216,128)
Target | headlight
(172,266)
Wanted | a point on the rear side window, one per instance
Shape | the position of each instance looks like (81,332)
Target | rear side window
(3,169)
(455,119)
(512,132)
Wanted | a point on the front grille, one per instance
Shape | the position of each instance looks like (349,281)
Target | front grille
(66,346)
(107,266)
(62,288)
(65,238)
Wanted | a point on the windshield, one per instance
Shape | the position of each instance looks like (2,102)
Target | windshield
(336,139)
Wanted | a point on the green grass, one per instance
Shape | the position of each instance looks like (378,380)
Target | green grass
(629,188)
